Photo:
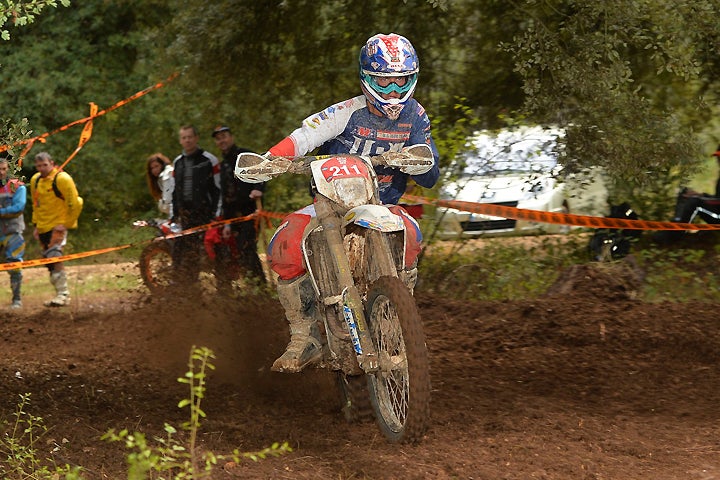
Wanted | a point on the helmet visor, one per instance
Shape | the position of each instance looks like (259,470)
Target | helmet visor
(389,84)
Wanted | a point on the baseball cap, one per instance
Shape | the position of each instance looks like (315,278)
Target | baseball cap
(219,129)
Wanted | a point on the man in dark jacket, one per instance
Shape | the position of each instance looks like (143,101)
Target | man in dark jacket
(196,200)
(238,200)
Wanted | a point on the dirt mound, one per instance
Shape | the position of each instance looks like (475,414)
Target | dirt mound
(608,281)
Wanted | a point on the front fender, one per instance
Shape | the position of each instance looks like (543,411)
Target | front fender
(375,217)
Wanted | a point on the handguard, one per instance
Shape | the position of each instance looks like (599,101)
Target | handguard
(253,168)
(413,160)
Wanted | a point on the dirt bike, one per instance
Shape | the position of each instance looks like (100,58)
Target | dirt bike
(369,323)
(613,243)
(156,266)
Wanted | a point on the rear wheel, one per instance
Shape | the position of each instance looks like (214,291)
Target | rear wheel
(400,389)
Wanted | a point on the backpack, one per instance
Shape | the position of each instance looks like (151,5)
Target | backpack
(55,188)
(57,191)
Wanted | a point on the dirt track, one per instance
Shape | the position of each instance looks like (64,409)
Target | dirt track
(576,386)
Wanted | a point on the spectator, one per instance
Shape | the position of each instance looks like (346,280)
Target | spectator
(238,200)
(692,204)
(12,223)
(160,180)
(56,208)
(384,117)
(196,200)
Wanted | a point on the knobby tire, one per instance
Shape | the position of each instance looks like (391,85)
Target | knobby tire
(400,390)
(355,406)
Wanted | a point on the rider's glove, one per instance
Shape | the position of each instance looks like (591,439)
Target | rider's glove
(249,167)
(413,160)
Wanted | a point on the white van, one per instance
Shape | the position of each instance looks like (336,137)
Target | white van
(515,168)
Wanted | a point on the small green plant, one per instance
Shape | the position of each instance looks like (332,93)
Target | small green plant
(169,454)
(20,454)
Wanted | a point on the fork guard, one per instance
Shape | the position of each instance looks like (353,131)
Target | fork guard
(375,217)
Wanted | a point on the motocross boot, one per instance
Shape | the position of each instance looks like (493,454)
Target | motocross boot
(62,297)
(15,284)
(296,297)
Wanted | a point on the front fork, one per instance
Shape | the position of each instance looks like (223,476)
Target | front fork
(349,300)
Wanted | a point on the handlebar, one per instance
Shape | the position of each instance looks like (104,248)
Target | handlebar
(254,168)
(163,225)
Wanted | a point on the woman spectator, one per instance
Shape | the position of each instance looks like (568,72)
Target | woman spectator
(161,181)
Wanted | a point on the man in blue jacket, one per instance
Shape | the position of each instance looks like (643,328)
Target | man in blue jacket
(12,223)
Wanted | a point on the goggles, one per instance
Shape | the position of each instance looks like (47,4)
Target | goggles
(390,84)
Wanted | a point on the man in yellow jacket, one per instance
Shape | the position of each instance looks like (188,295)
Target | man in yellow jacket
(56,208)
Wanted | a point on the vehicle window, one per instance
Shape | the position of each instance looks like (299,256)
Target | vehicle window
(511,152)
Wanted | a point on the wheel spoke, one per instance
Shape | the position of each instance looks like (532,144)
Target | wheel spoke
(392,385)
(400,388)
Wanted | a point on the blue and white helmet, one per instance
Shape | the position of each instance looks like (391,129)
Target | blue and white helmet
(388,63)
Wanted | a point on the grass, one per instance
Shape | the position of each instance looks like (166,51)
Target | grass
(682,274)
(498,268)
(83,281)
(525,267)
(89,240)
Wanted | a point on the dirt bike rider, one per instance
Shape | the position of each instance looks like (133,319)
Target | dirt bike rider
(385,117)
(690,204)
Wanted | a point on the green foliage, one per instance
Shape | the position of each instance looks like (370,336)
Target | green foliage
(170,455)
(451,135)
(22,13)
(19,13)
(10,135)
(284,61)
(625,78)
(635,83)
(21,454)
(53,68)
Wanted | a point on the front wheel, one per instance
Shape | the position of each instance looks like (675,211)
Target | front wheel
(156,267)
(400,389)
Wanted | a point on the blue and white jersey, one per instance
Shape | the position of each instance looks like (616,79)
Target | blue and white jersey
(349,127)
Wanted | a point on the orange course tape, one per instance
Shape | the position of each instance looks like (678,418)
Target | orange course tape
(74,256)
(559,218)
(87,130)
(45,261)
(480,208)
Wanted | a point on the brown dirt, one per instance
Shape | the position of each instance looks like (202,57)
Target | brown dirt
(585,383)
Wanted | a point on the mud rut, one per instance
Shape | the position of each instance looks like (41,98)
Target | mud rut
(585,383)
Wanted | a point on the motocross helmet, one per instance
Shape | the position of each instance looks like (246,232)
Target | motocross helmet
(388,63)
